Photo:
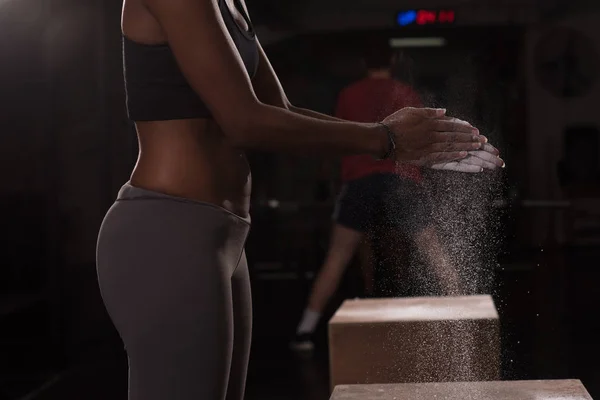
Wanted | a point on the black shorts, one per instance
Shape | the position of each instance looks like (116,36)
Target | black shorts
(382,200)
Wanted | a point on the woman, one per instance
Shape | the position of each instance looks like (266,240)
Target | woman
(170,256)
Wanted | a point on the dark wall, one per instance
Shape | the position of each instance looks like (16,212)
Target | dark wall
(66,145)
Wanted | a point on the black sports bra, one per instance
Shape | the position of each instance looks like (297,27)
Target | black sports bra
(155,87)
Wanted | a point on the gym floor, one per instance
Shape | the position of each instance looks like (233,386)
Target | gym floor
(534,348)
(271,377)
(274,373)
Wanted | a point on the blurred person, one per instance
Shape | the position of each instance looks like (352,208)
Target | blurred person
(170,253)
(376,195)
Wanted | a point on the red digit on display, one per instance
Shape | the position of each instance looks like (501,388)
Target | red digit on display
(446,16)
(425,17)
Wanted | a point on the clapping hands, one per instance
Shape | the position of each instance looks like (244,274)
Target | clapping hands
(428,137)
(476,161)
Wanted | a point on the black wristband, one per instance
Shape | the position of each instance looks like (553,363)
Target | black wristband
(391,142)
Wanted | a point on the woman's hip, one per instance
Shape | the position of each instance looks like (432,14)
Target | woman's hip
(147,232)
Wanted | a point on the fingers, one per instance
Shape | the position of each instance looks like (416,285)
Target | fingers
(449,118)
(490,149)
(458,141)
(458,166)
(488,160)
(457,137)
(454,146)
(478,162)
(453,125)
(442,157)
(429,112)
(475,162)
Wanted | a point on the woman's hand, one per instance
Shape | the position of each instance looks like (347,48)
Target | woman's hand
(478,160)
(426,136)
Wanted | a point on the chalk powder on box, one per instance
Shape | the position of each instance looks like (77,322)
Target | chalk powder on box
(464,216)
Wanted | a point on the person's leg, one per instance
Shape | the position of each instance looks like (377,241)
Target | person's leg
(342,246)
(437,259)
(242,330)
(351,218)
(173,312)
(166,282)
(412,213)
(392,271)
(385,248)
(401,215)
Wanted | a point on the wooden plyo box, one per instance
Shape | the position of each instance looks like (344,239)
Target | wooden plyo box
(404,340)
(506,390)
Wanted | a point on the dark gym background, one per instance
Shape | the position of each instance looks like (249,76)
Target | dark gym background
(66,147)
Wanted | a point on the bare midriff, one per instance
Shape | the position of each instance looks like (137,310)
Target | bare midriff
(192,159)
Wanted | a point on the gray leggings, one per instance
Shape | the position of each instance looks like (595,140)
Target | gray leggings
(174,280)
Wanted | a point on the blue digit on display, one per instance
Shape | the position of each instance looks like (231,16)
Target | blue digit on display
(407,17)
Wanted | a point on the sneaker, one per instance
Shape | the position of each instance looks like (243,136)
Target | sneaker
(302,343)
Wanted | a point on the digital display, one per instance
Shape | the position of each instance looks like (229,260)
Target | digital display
(425,17)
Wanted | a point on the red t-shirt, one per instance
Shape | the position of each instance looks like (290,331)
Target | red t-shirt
(371,100)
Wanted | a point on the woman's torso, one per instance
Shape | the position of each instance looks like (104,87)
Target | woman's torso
(190,157)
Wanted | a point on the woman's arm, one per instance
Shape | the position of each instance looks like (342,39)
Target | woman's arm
(313,114)
(208,59)
(269,90)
